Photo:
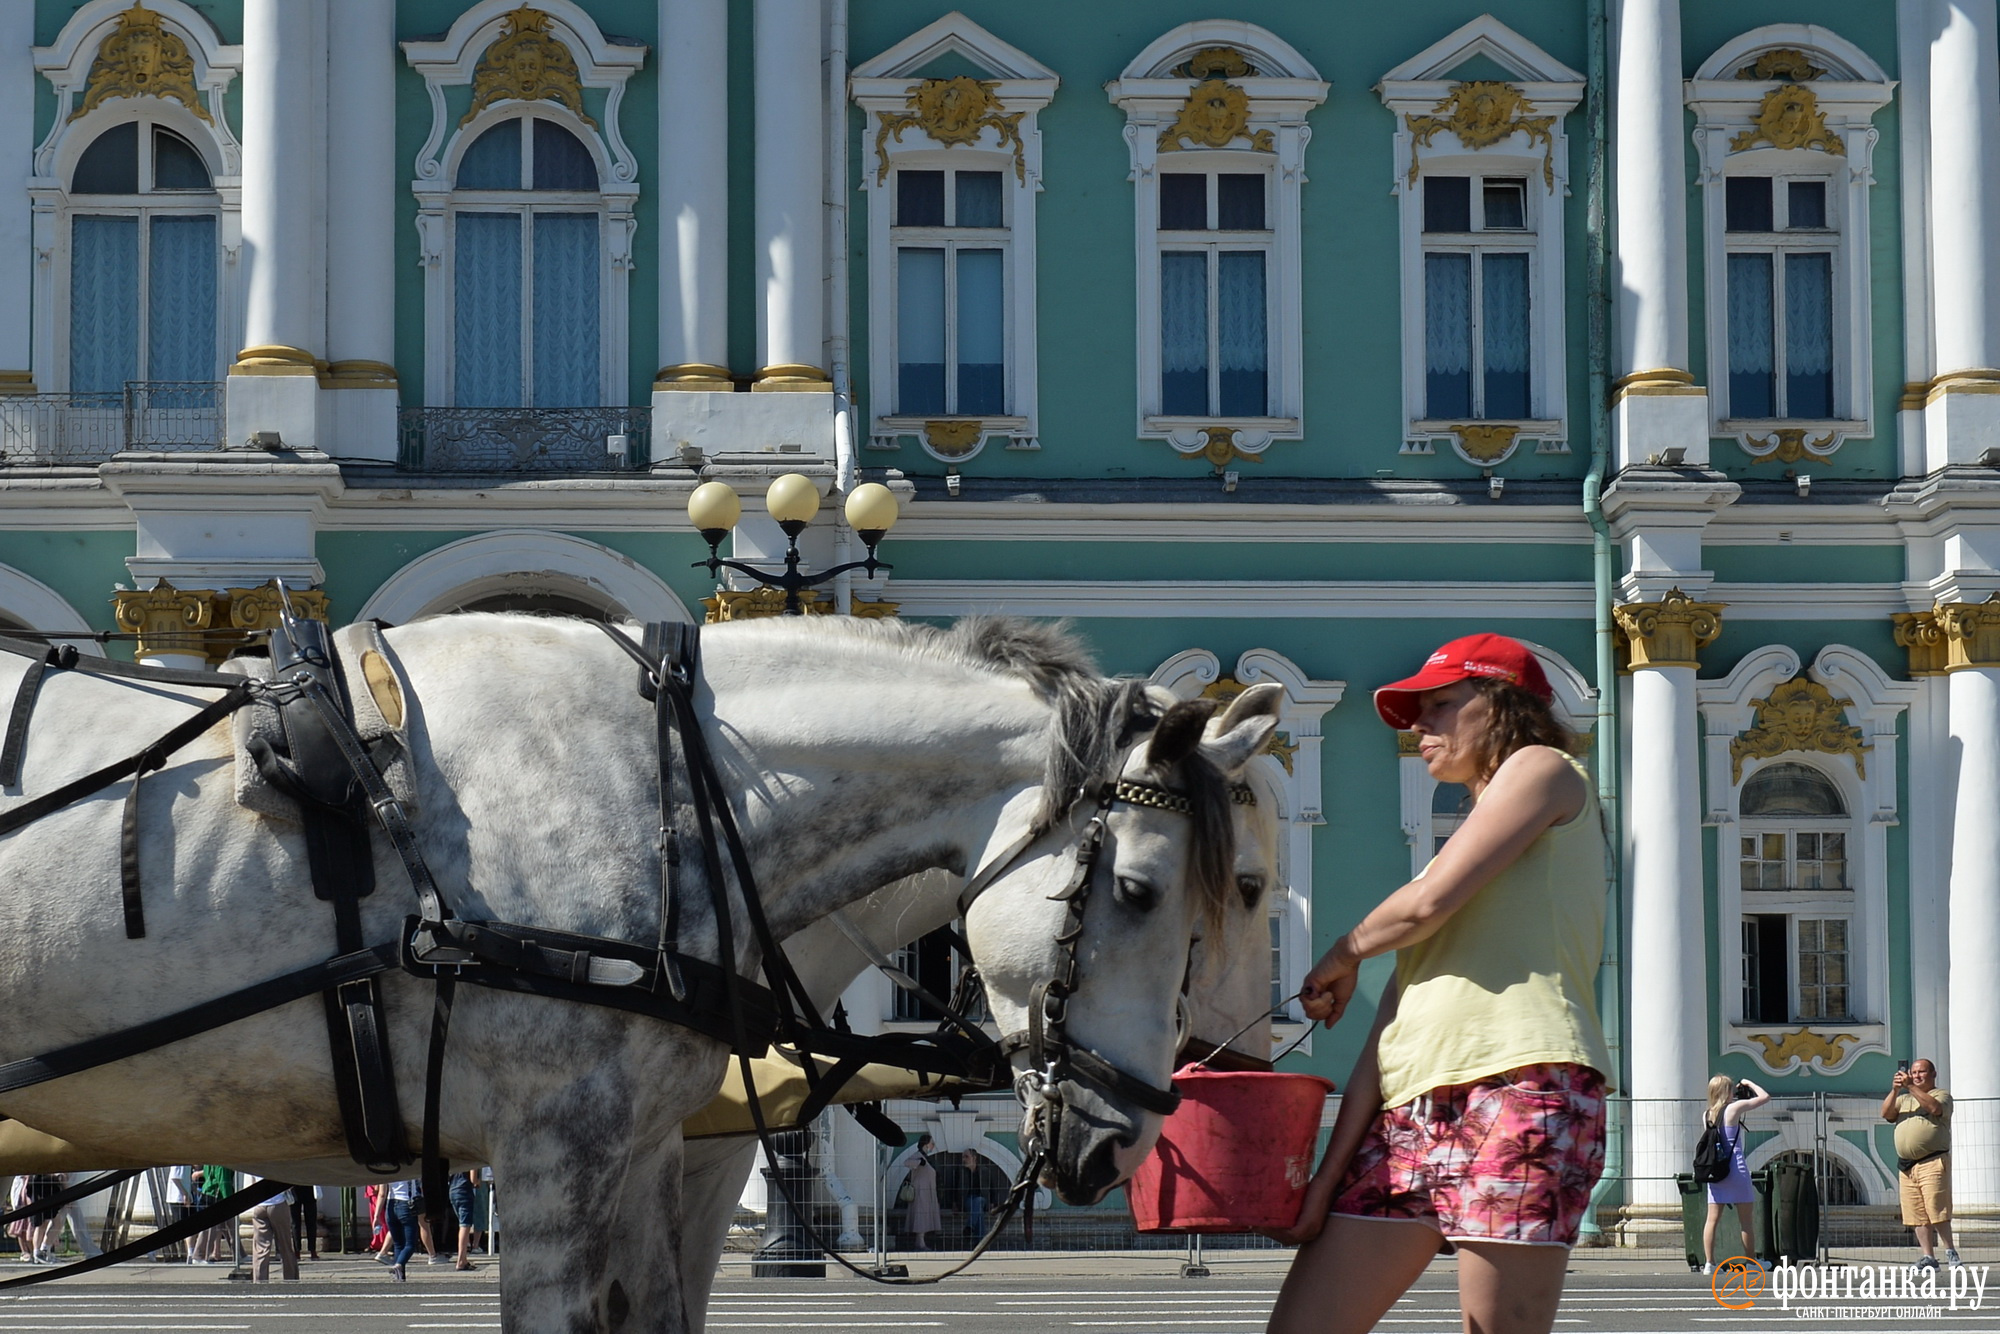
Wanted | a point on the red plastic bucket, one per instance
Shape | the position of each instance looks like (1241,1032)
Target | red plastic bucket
(1234,1157)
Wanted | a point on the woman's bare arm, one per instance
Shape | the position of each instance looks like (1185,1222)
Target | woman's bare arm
(1360,1101)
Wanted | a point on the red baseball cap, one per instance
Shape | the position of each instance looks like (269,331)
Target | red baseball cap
(1469,659)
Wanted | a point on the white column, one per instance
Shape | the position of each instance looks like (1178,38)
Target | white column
(17,146)
(791,333)
(1965,230)
(692,194)
(1972,1072)
(273,385)
(362,180)
(1657,405)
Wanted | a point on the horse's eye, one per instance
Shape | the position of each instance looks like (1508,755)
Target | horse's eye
(1136,894)
(1251,887)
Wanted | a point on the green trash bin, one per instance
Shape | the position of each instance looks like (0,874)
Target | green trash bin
(1787,1213)
(1694,1217)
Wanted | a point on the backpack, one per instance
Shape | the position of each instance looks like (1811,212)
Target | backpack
(1712,1158)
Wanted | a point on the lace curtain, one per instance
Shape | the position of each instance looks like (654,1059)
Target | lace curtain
(180,314)
(1241,333)
(103,303)
(1504,335)
(566,323)
(1184,333)
(486,312)
(982,326)
(1752,392)
(1447,336)
(1809,336)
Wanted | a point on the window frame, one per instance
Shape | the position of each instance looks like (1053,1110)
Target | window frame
(1212,242)
(951,238)
(1475,242)
(1797,904)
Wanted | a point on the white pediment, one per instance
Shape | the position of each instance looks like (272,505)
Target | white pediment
(1489,37)
(955,34)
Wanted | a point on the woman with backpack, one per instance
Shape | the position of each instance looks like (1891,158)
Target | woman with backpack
(1728,1100)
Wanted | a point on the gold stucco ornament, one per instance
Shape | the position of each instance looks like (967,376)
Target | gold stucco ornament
(1790,118)
(1800,714)
(1482,113)
(1215,115)
(953,112)
(141,59)
(1804,1046)
(1788,445)
(1782,63)
(528,63)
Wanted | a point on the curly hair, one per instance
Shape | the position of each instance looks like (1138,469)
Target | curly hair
(1521,719)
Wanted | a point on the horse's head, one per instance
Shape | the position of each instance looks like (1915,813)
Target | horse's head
(1084,939)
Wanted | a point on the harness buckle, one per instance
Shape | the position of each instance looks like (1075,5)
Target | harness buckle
(389,809)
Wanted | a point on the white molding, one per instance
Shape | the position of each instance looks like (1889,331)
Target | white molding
(1281,95)
(1875,702)
(1852,91)
(523,560)
(65,63)
(881,85)
(1913,172)
(33,603)
(1296,793)
(450,62)
(1415,88)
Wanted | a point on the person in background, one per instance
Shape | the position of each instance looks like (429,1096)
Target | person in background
(42,1226)
(379,1239)
(972,1165)
(464,1186)
(271,1229)
(305,1221)
(1921,1113)
(1474,1118)
(405,1207)
(1727,1102)
(925,1217)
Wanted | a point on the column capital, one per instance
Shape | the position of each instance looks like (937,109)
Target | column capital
(1920,633)
(1971,632)
(166,619)
(1670,632)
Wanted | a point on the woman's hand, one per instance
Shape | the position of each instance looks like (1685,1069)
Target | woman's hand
(1330,985)
(1312,1213)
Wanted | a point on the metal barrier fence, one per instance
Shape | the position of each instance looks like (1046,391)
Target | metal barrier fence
(82,430)
(525,440)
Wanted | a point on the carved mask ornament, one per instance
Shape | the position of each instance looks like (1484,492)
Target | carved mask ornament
(953,112)
(1482,113)
(528,63)
(142,59)
(1800,714)
(1215,115)
(1790,118)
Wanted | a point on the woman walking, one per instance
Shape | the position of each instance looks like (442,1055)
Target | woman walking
(1474,1118)
(1727,1102)
(926,1219)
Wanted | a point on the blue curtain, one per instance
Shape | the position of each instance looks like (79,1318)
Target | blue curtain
(1241,332)
(920,332)
(566,324)
(982,330)
(1808,335)
(103,303)
(486,316)
(1447,336)
(1752,389)
(180,316)
(1184,333)
(1504,335)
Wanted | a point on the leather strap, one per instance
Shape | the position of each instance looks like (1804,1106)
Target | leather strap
(435,1168)
(17,720)
(128,848)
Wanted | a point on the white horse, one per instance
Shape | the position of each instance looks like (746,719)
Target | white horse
(1228,1004)
(855,753)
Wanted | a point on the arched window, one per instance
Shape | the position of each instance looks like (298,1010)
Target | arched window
(527,222)
(144,218)
(1798,898)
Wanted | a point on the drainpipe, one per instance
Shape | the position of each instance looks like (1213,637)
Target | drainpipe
(1597,295)
(845,466)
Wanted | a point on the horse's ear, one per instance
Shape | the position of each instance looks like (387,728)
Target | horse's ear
(1179,733)
(1142,713)
(1244,729)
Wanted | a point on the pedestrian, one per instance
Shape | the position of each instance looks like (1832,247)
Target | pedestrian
(42,1223)
(405,1206)
(79,1228)
(1473,1121)
(271,1229)
(1921,1113)
(925,1219)
(970,1165)
(305,1221)
(1727,1102)
(463,1188)
(217,1244)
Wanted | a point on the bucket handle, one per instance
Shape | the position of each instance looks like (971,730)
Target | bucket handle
(1223,1045)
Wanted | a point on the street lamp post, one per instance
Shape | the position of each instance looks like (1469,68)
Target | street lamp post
(793,501)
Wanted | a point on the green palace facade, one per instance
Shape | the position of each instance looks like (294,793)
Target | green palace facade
(1275,344)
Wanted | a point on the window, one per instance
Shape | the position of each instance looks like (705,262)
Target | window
(1779,239)
(1215,243)
(527,261)
(143,261)
(951,240)
(1478,334)
(1450,804)
(1797,897)
(931,961)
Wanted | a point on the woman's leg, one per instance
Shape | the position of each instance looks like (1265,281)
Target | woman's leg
(1509,1288)
(1708,1234)
(1349,1276)
(1743,1221)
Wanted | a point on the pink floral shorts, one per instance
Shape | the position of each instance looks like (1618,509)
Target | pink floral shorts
(1510,1158)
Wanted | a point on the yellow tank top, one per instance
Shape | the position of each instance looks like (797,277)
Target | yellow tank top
(1510,979)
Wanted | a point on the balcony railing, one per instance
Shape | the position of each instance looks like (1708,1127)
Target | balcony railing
(82,430)
(525,440)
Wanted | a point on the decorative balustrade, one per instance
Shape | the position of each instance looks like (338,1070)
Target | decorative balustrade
(83,430)
(525,440)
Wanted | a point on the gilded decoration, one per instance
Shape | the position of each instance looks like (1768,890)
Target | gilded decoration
(1667,633)
(954,438)
(1800,714)
(1790,118)
(1281,746)
(166,619)
(752,604)
(1481,114)
(1783,63)
(1803,1046)
(1221,450)
(1486,442)
(953,112)
(141,59)
(528,63)
(1212,61)
(1787,445)
(1215,115)
(1920,634)
(1971,633)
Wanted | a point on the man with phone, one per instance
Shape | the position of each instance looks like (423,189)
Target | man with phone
(1921,1113)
